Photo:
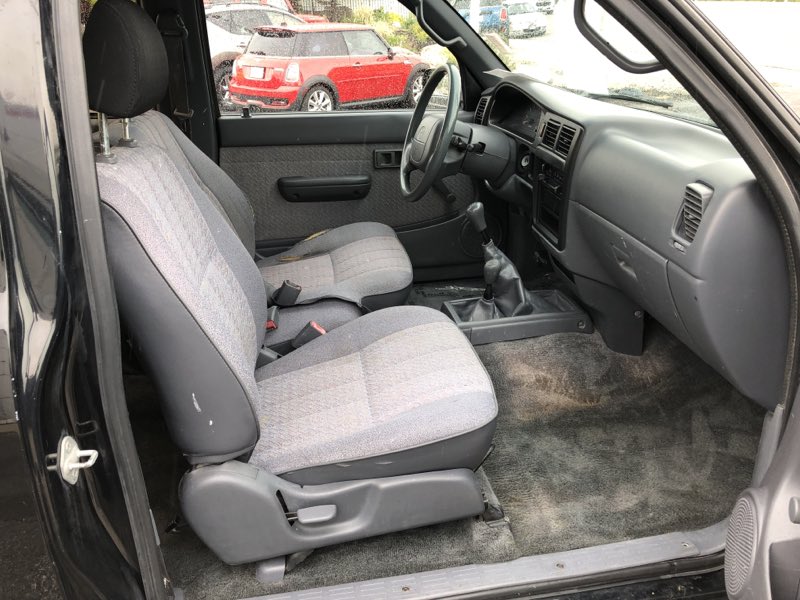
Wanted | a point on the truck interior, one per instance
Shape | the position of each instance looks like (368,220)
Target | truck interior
(525,334)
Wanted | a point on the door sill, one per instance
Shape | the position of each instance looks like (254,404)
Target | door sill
(635,560)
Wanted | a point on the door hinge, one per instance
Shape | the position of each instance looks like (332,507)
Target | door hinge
(70,459)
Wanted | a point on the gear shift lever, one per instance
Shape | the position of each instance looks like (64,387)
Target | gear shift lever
(478,220)
(504,288)
(490,272)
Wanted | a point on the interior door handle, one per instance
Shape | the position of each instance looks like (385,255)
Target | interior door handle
(387,159)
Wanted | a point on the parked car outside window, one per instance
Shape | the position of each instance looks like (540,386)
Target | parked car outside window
(229,30)
(284,5)
(493,16)
(321,67)
(525,19)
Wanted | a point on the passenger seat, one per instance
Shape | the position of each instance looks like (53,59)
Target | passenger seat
(374,427)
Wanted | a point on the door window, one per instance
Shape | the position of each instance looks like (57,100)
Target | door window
(321,44)
(221,19)
(364,43)
(402,56)
(281,4)
(245,22)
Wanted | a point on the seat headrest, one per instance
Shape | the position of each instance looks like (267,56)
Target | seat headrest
(126,63)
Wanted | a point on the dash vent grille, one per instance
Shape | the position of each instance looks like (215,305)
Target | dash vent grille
(480,110)
(550,134)
(695,200)
(564,142)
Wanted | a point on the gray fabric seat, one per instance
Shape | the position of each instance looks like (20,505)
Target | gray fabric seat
(397,380)
(361,263)
(389,411)
(392,382)
(196,306)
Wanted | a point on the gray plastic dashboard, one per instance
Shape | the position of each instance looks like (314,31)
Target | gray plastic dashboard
(706,260)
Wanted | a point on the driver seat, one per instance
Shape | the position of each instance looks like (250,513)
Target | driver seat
(361,263)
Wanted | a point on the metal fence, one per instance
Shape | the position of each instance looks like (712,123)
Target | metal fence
(328,7)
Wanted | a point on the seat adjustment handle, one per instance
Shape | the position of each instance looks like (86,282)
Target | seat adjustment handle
(313,515)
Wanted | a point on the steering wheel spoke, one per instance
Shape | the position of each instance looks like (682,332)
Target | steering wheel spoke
(428,137)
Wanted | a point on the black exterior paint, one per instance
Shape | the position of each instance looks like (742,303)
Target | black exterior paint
(51,340)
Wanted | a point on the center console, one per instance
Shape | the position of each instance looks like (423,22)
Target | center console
(557,138)
(508,311)
(553,312)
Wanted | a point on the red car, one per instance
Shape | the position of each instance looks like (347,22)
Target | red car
(320,67)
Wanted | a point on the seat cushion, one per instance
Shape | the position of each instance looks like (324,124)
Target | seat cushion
(363,263)
(396,391)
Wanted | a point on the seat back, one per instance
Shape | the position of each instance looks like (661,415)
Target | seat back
(157,129)
(187,288)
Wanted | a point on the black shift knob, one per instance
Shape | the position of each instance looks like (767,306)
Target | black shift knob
(476,216)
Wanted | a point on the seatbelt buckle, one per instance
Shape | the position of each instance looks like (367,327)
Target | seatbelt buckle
(271,324)
(287,294)
(311,331)
(266,356)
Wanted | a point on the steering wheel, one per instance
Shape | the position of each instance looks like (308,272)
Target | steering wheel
(428,136)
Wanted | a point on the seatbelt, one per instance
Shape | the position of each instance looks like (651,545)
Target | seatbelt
(174,32)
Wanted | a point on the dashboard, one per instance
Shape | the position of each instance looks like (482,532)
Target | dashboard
(644,213)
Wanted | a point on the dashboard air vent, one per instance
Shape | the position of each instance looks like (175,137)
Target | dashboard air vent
(480,110)
(564,142)
(695,200)
(550,134)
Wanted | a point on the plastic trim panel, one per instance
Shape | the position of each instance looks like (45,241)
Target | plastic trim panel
(474,579)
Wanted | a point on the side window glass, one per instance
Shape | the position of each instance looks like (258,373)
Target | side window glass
(364,43)
(276,47)
(245,22)
(321,44)
(281,4)
(221,19)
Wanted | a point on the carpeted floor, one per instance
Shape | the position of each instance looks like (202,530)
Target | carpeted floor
(591,447)
(595,447)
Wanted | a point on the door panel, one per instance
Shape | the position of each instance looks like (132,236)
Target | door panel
(258,169)
(258,151)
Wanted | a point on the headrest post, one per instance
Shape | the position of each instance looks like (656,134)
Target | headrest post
(105,142)
(126,139)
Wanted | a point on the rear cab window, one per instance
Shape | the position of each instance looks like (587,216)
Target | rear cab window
(273,42)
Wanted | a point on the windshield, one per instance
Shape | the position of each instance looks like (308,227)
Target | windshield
(557,53)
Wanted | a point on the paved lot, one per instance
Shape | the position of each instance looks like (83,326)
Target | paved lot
(765,32)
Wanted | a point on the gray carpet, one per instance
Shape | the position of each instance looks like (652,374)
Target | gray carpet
(591,447)
(595,447)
